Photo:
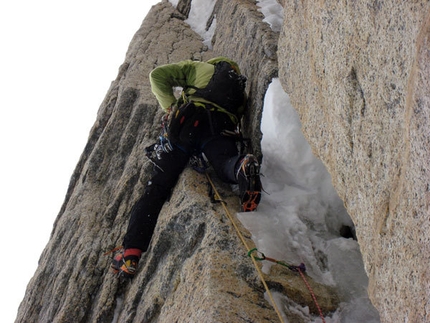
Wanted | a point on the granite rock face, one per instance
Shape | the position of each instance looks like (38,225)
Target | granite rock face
(196,269)
(358,74)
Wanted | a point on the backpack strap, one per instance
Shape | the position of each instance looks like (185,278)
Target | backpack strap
(214,107)
(225,90)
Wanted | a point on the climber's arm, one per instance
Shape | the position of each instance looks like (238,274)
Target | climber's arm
(165,77)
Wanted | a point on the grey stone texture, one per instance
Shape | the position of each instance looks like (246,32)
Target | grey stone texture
(357,72)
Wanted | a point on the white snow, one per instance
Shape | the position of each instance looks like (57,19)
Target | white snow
(273,13)
(299,218)
(118,308)
(201,11)
(174,2)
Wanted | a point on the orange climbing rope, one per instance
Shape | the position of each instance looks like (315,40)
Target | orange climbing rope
(312,294)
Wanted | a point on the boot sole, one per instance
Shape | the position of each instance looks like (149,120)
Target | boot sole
(252,196)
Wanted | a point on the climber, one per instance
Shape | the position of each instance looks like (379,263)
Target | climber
(204,120)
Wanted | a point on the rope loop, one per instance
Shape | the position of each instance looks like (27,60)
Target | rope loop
(300,267)
(263,257)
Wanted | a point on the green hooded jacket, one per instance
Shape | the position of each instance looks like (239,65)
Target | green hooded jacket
(184,74)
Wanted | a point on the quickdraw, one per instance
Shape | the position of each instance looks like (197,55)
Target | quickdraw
(300,268)
(260,274)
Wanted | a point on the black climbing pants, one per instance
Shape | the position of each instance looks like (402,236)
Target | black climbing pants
(221,151)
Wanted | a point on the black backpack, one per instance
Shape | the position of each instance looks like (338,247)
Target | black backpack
(225,88)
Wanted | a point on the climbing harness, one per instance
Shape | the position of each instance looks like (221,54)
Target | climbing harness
(199,162)
(301,269)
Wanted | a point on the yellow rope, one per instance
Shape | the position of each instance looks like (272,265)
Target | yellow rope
(260,273)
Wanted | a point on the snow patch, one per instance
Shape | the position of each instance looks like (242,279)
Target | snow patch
(273,13)
(201,11)
(118,308)
(300,217)
(174,3)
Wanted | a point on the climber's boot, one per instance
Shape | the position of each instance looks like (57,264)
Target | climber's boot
(248,177)
(124,263)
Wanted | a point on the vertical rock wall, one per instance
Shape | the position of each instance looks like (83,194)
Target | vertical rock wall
(358,74)
(196,269)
